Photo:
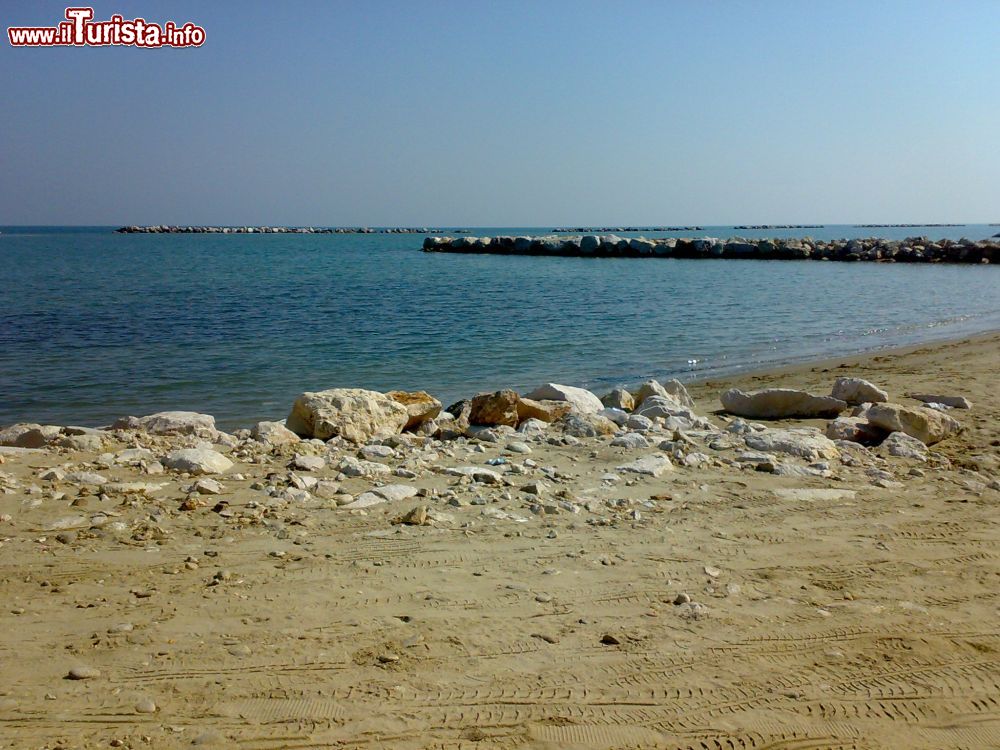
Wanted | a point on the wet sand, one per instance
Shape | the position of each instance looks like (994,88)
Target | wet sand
(710,607)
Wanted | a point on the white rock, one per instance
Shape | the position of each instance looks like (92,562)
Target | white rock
(630,441)
(926,425)
(804,441)
(354,414)
(85,477)
(955,402)
(354,467)
(902,445)
(308,463)
(197,461)
(653,465)
(171,423)
(273,433)
(780,403)
(395,492)
(858,391)
(476,473)
(617,416)
(581,399)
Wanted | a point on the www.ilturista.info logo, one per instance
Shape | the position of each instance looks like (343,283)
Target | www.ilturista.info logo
(80,30)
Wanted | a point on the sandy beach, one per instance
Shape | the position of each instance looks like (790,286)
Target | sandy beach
(539,595)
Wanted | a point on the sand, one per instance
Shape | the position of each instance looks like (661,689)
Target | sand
(711,607)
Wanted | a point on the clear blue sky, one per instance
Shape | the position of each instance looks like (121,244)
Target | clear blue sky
(510,114)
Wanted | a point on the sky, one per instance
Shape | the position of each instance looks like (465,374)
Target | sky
(508,113)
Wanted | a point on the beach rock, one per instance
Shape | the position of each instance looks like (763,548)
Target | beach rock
(926,425)
(676,390)
(546,411)
(476,473)
(955,402)
(532,427)
(86,443)
(197,461)
(648,389)
(618,416)
(802,441)
(664,406)
(28,435)
(855,429)
(630,441)
(355,414)
(308,463)
(780,403)
(639,423)
(498,408)
(619,398)
(581,400)
(587,425)
(395,492)
(902,445)
(858,391)
(653,465)
(420,406)
(415,517)
(355,467)
(273,433)
(170,423)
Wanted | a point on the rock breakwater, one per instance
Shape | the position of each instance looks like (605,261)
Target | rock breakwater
(910,250)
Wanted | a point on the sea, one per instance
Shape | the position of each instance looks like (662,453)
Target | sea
(96,325)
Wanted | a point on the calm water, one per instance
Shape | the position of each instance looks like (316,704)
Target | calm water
(95,325)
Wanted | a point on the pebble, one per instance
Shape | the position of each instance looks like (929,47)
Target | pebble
(543,598)
(610,639)
(145,706)
(84,673)
(682,599)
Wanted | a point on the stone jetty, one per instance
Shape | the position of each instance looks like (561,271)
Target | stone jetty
(175,229)
(910,250)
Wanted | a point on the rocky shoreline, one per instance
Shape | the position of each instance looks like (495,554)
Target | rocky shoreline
(376,569)
(910,250)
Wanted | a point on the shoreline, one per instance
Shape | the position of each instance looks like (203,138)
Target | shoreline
(170,584)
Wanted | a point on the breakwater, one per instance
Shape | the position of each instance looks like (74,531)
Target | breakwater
(910,250)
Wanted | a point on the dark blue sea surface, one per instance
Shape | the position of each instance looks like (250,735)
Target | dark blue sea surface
(96,325)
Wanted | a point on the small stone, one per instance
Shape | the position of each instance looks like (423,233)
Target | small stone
(416,517)
(682,599)
(712,571)
(83,673)
(145,706)
(609,639)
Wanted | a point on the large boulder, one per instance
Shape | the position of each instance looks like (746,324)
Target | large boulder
(805,442)
(420,406)
(858,391)
(197,461)
(546,411)
(926,425)
(352,413)
(780,403)
(582,400)
(499,407)
(171,423)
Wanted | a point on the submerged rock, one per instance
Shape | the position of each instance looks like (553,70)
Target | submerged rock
(780,403)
